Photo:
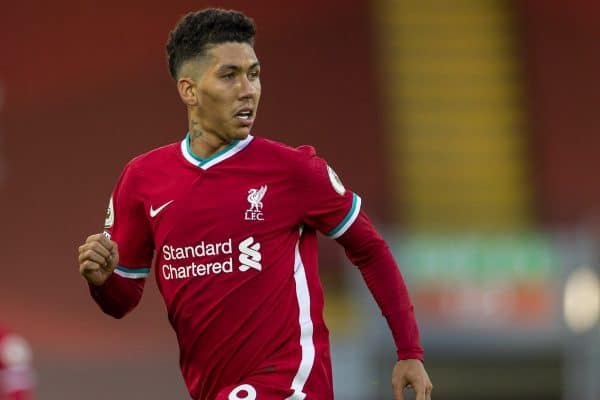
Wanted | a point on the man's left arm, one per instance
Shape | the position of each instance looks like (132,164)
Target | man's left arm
(326,205)
(370,253)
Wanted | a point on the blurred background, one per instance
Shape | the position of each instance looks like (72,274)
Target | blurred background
(471,129)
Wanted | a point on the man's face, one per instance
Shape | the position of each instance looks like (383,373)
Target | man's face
(228,88)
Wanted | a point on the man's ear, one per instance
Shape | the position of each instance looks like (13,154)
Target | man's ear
(187,91)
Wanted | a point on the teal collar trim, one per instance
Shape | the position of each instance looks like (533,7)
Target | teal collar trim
(205,163)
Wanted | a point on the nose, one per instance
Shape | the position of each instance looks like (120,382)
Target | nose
(248,87)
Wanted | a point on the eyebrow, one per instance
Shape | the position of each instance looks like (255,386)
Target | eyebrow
(237,67)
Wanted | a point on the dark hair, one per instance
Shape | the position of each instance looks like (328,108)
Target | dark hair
(197,30)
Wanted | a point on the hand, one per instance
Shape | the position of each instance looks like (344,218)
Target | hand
(411,373)
(98,258)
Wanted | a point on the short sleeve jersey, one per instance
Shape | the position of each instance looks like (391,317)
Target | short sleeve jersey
(233,239)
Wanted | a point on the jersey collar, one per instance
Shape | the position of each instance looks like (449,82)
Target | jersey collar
(235,147)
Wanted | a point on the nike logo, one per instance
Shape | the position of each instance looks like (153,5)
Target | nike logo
(154,212)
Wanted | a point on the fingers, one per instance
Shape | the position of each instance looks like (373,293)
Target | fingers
(423,390)
(100,244)
(114,251)
(398,393)
(398,389)
(103,240)
(99,251)
(93,273)
(411,374)
(94,253)
(420,391)
(87,267)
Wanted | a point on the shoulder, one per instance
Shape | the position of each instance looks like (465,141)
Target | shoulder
(290,155)
(147,166)
(151,164)
(154,158)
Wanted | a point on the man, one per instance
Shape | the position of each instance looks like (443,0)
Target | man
(232,221)
(16,375)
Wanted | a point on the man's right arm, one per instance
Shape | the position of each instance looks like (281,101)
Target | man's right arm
(116,295)
(116,276)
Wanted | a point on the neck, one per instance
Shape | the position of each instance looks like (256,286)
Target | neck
(204,144)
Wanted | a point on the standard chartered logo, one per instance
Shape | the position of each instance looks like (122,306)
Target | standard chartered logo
(189,261)
(250,255)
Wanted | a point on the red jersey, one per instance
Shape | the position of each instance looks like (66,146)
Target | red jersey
(233,238)
(16,377)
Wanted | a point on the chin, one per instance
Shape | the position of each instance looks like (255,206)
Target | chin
(241,134)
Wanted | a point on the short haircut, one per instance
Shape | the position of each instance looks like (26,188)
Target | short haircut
(197,31)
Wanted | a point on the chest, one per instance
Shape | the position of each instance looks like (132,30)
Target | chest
(213,205)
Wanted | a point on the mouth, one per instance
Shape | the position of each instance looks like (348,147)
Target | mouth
(245,116)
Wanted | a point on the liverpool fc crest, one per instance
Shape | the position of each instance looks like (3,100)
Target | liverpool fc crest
(255,196)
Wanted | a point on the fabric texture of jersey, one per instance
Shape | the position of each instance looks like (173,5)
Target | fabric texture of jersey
(234,241)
